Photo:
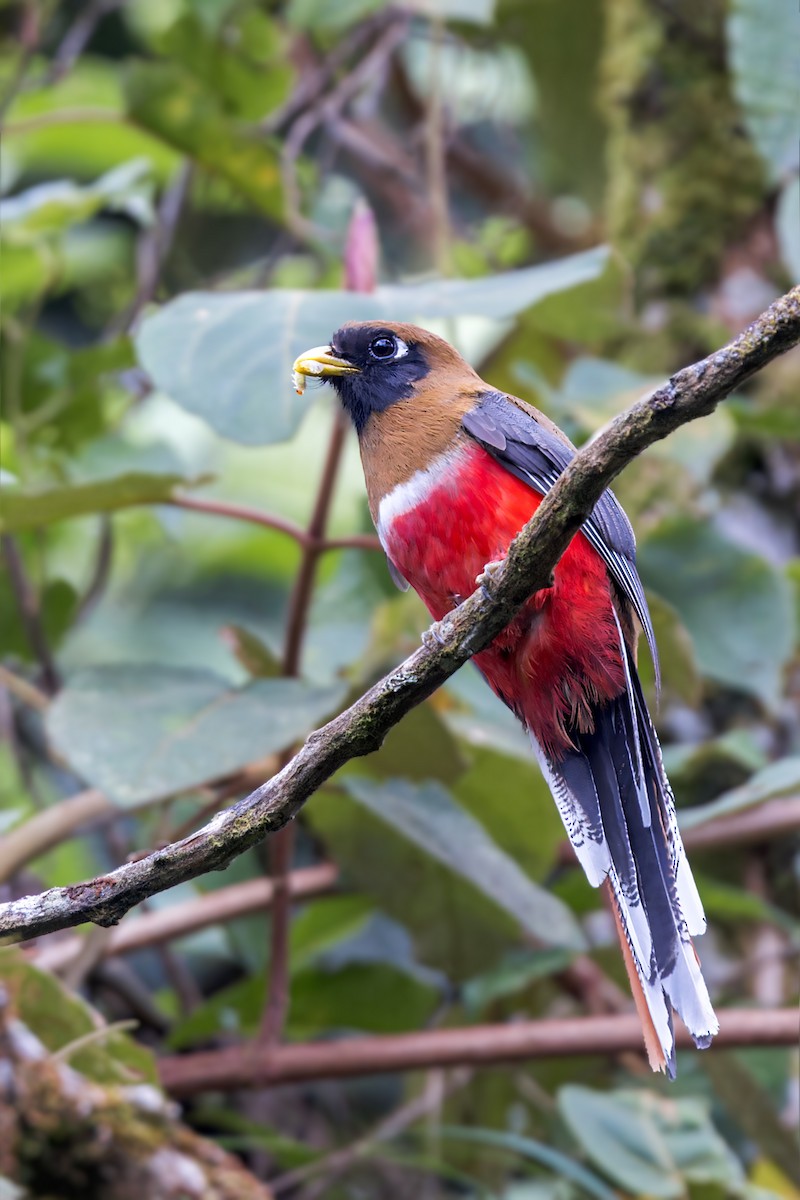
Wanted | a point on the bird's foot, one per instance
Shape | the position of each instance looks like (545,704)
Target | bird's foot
(436,636)
(487,580)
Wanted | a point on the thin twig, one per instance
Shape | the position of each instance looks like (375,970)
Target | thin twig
(477,1045)
(66,116)
(243,512)
(435,155)
(691,393)
(77,37)
(101,571)
(304,584)
(333,1166)
(240,512)
(360,266)
(282,847)
(327,110)
(154,246)
(23,690)
(30,612)
(29,37)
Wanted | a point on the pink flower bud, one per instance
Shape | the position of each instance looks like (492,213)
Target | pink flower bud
(361,250)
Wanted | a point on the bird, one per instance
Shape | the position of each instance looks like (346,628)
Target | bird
(454,469)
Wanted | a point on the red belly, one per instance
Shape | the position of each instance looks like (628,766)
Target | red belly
(560,657)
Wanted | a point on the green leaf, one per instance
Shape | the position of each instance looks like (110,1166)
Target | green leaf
(735,605)
(30,509)
(96,141)
(50,208)
(765,63)
(420,747)
(428,816)
(594,390)
(649,1145)
(511,799)
(369,997)
(228,357)
(324,924)
(533,1151)
(701,771)
(169,103)
(85,255)
(753,1109)
(58,602)
(249,649)
(143,732)
(245,65)
(330,990)
(515,973)
(723,902)
(676,653)
(777,779)
(66,392)
(58,1017)
(470,931)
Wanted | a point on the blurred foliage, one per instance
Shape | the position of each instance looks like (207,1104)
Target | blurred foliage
(177,181)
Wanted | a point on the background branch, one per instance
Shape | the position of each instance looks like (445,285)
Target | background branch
(691,393)
(475,1045)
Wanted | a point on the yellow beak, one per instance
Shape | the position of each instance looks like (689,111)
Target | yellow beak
(318,363)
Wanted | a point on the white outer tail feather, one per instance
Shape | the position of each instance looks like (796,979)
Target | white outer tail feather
(683,988)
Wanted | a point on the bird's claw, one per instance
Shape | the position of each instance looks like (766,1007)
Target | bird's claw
(434,637)
(487,580)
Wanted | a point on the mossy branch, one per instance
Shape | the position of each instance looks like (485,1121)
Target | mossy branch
(691,393)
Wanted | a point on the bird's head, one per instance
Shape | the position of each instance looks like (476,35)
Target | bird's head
(373,366)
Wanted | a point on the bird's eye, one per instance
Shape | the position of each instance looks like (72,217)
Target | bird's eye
(383,347)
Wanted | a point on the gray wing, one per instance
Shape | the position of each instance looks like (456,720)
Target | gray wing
(535,455)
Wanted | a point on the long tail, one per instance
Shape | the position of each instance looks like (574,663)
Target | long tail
(618,809)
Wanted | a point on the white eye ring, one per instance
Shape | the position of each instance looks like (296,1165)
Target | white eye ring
(402,348)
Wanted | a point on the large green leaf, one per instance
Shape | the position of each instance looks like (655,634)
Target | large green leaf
(245,65)
(42,140)
(143,732)
(50,208)
(372,997)
(469,933)
(594,390)
(514,974)
(777,779)
(765,62)
(82,256)
(338,982)
(735,605)
(228,357)
(430,817)
(22,508)
(648,1145)
(171,104)
(534,1151)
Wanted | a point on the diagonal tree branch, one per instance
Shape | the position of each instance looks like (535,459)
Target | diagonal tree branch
(691,393)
